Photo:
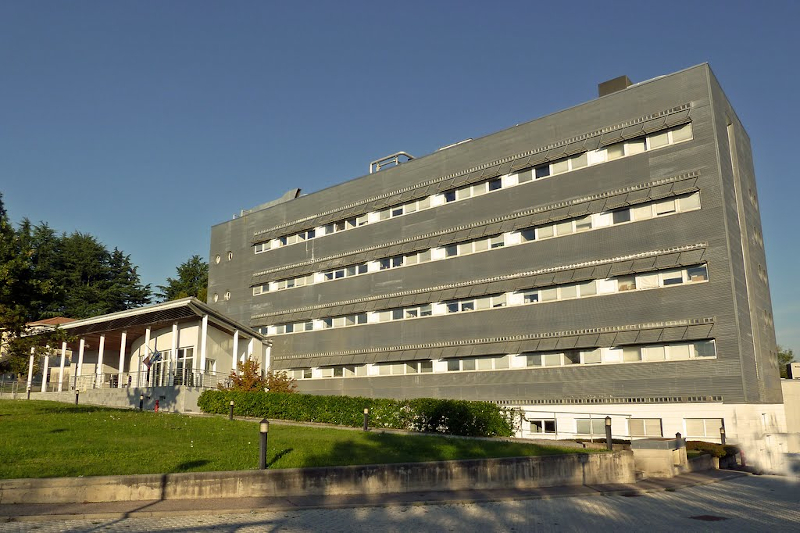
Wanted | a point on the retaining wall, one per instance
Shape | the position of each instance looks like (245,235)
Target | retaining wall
(516,472)
(174,399)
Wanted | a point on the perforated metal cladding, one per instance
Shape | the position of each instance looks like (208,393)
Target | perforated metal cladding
(732,375)
(443,237)
(481,288)
(674,116)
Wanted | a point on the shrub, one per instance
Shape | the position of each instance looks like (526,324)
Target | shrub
(716,450)
(249,378)
(453,417)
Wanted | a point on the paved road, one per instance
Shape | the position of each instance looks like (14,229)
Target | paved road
(742,504)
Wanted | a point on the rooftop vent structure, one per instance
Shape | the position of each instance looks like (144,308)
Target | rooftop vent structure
(390,160)
(612,86)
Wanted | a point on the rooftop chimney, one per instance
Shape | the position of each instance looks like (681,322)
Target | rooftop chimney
(612,86)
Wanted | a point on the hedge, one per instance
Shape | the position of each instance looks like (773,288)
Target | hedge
(715,450)
(453,417)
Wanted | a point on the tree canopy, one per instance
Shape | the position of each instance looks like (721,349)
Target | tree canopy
(44,274)
(785,356)
(192,281)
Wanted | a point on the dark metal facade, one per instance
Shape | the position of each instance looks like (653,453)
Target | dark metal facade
(733,307)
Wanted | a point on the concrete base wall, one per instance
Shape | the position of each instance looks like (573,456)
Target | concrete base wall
(703,462)
(517,472)
(172,399)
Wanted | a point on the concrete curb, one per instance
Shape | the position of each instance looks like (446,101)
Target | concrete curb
(173,508)
(354,480)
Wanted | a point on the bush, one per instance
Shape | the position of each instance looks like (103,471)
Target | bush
(452,417)
(715,450)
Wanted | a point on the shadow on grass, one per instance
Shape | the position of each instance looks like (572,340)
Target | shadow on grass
(278,456)
(378,448)
(186,466)
(58,430)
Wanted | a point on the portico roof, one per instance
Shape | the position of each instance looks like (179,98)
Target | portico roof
(136,321)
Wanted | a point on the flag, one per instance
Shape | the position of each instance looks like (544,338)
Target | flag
(146,361)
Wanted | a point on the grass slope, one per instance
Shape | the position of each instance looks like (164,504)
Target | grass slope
(49,439)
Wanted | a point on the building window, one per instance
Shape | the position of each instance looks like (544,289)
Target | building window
(524,176)
(345,272)
(590,426)
(703,427)
(644,427)
(705,349)
(391,262)
(546,425)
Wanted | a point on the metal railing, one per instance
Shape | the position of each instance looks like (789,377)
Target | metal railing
(115,380)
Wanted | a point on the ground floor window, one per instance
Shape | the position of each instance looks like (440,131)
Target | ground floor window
(546,425)
(590,426)
(645,427)
(184,367)
(703,427)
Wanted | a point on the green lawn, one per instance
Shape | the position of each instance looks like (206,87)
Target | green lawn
(49,439)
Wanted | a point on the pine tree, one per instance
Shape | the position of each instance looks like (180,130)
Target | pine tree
(192,281)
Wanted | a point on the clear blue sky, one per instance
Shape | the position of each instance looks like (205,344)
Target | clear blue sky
(145,123)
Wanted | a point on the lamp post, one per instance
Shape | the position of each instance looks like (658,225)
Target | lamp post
(722,436)
(141,402)
(263,429)
(366,419)
(230,415)
(29,393)
(609,444)
(77,394)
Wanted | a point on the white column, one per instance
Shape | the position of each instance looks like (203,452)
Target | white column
(99,369)
(46,369)
(81,347)
(250,348)
(235,350)
(143,350)
(30,368)
(267,356)
(173,357)
(61,366)
(203,339)
(122,346)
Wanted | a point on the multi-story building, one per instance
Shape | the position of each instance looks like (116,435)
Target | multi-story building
(605,260)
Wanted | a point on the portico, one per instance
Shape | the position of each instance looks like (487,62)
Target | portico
(171,344)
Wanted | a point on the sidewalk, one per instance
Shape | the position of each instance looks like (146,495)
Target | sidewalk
(172,508)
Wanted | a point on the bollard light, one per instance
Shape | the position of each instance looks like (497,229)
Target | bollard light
(77,393)
(141,402)
(29,393)
(366,419)
(263,429)
(722,436)
(230,416)
(609,443)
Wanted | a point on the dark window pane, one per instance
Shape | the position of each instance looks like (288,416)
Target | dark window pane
(622,215)
(542,171)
